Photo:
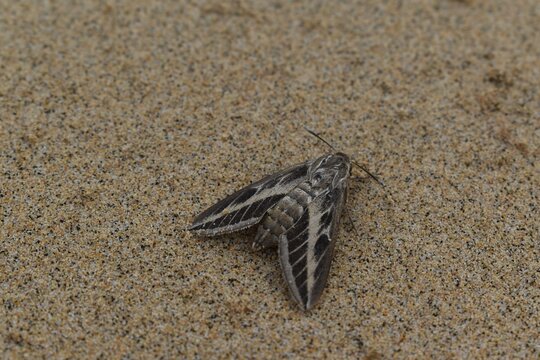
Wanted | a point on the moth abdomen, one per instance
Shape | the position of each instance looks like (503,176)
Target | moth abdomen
(280,218)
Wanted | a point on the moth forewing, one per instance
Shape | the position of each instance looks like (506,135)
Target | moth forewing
(306,250)
(247,206)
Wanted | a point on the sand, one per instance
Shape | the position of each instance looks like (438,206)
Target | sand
(120,121)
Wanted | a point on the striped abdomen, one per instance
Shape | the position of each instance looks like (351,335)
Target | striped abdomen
(283,215)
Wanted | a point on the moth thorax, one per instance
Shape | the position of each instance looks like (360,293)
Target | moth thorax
(322,178)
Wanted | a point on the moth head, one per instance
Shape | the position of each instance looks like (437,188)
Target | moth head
(342,158)
(331,169)
(338,161)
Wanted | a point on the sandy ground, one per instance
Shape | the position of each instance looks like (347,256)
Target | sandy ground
(120,121)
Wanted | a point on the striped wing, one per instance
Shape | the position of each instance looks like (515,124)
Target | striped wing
(248,205)
(306,250)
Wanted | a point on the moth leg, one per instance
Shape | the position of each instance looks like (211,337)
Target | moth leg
(352,222)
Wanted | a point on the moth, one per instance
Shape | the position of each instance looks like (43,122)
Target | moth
(298,210)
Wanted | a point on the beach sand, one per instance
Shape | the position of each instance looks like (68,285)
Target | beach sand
(120,121)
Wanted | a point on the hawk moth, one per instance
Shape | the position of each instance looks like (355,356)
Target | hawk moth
(298,209)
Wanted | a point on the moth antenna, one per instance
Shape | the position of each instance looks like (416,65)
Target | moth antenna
(370,174)
(320,138)
(353,161)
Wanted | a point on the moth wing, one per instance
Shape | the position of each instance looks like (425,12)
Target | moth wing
(306,249)
(248,205)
